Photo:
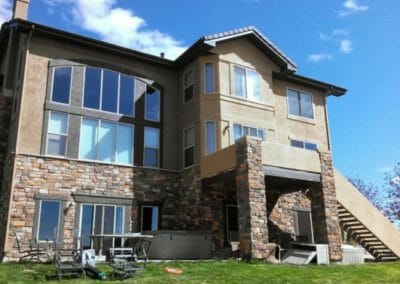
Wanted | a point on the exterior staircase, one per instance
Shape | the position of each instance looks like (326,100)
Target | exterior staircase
(360,219)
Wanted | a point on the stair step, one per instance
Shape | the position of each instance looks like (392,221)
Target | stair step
(389,258)
(377,247)
(353,227)
(373,243)
(344,214)
(348,219)
(360,231)
(363,239)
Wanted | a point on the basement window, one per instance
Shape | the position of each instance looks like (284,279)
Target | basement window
(150,216)
(49,220)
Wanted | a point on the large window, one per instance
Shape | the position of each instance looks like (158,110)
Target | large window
(49,220)
(243,130)
(61,85)
(57,134)
(303,144)
(300,104)
(149,218)
(152,104)
(188,152)
(246,83)
(188,85)
(109,91)
(209,78)
(210,137)
(106,141)
(151,147)
(101,219)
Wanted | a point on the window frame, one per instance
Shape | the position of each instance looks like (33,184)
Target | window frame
(207,153)
(246,97)
(100,109)
(185,87)
(59,222)
(249,126)
(187,147)
(65,135)
(158,149)
(70,84)
(300,117)
(213,76)
(97,140)
(150,205)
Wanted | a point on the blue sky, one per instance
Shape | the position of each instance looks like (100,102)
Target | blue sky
(352,43)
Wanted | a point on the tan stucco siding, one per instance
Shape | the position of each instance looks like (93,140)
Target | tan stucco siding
(43,50)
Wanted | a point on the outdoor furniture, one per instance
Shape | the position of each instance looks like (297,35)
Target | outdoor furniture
(35,252)
(68,262)
(142,251)
(122,261)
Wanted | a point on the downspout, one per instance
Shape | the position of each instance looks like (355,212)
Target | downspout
(14,154)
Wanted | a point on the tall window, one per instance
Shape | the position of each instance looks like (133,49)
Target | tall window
(210,137)
(246,83)
(150,218)
(152,104)
(303,144)
(300,104)
(243,130)
(151,147)
(101,219)
(106,141)
(209,78)
(188,146)
(188,85)
(61,85)
(49,220)
(109,91)
(57,134)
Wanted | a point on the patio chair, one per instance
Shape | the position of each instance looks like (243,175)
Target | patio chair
(142,251)
(68,262)
(122,261)
(35,252)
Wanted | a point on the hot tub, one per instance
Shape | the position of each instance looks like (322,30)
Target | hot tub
(168,244)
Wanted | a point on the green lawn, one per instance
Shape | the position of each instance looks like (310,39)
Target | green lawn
(229,271)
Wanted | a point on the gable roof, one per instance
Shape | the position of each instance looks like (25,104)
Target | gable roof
(206,43)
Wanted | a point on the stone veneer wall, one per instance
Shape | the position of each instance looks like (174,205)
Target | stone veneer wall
(280,212)
(324,209)
(251,197)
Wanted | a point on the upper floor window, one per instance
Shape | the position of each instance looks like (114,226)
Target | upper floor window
(151,154)
(300,104)
(303,144)
(106,141)
(209,78)
(242,130)
(109,91)
(210,137)
(188,85)
(61,85)
(246,83)
(57,133)
(152,104)
(188,149)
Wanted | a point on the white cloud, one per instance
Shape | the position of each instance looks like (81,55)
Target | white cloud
(119,26)
(5,10)
(352,7)
(334,35)
(318,57)
(345,46)
(396,180)
(385,169)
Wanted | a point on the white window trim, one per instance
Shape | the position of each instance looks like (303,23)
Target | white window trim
(299,117)
(191,145)
(100,109)
(141,215)
(206,137)
(70,84)
(159,104)
(246,94)
(65,135)
(39,219)
(205,78)
(250,126)
(185,87)
(144,147)
(98,120)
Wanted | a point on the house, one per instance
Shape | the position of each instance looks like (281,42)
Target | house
(228,139)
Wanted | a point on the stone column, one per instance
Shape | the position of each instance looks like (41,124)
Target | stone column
(251,198)
(324,209)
